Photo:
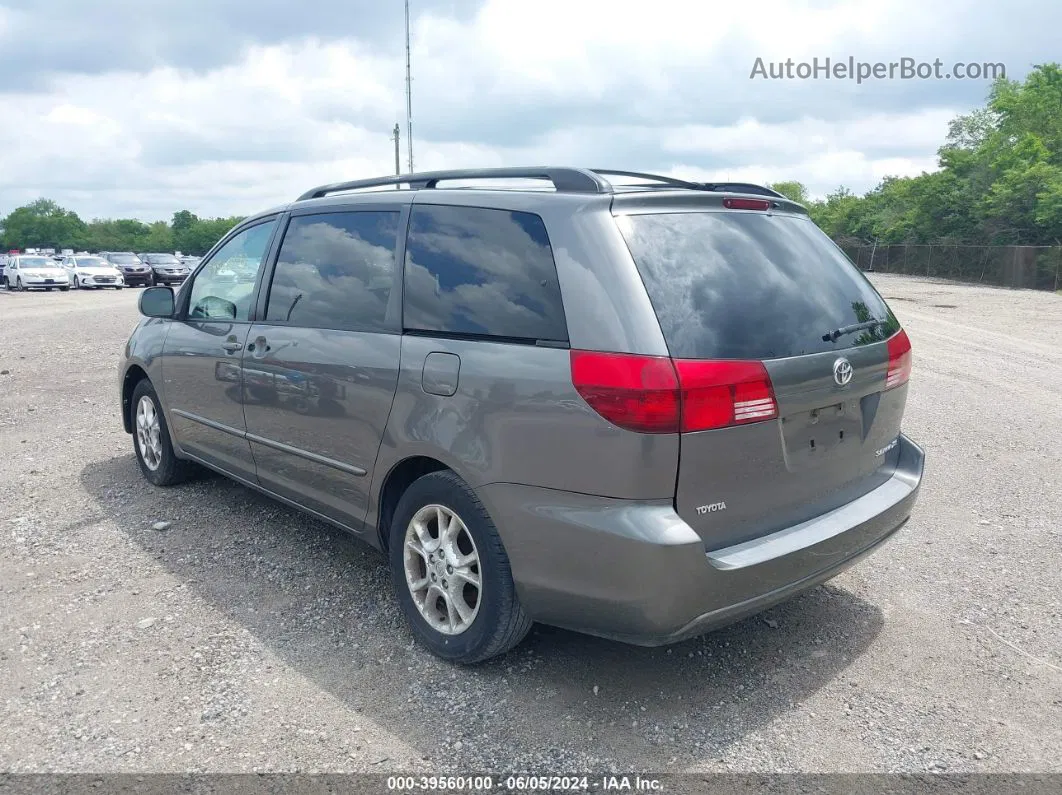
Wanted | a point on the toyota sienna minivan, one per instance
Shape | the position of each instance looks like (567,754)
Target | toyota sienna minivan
(619,403)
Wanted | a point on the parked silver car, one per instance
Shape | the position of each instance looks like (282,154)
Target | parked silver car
(31,272)
(88,271)
(638,411)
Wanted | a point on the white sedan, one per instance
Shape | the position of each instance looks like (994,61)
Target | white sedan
(85,270)
(34,272)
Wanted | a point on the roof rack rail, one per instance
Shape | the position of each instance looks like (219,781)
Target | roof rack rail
(741,187)
(565,180)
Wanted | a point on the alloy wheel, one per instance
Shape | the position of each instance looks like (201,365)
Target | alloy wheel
(149,433)
(442,569)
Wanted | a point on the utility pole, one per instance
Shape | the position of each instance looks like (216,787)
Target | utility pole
(409,95)
(398,157)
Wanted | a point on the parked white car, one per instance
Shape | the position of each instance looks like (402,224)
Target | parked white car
(35,272)
(86,270)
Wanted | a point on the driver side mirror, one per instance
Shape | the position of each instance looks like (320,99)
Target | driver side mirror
(157,302)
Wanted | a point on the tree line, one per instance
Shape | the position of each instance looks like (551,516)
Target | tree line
(999,180)
(44,224)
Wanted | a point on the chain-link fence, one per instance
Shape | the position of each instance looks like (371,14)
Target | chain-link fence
(1032,267)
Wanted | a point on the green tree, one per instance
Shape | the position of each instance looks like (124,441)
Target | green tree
(792,190)
(42,224)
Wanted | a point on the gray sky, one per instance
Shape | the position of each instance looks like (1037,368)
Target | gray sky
(143,107)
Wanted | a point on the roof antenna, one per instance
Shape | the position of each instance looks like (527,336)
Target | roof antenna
(409,95)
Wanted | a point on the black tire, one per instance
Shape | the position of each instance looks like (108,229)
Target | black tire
(19,285)
(171,470)
(64,289)
(77,283)
(501,622)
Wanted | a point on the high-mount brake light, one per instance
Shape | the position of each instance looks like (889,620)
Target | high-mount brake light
(746,204)
(655,394)
(899,372)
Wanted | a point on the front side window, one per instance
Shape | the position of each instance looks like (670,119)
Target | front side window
(481,272)
(224,288)
(335,271)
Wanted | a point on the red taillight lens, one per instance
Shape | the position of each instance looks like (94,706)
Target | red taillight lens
(653,394)
(899,360)
(639,393)
(717,394)
(746,204)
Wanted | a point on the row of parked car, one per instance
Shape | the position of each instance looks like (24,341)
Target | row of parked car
(114,269)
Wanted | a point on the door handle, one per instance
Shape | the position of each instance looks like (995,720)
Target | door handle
(231,346)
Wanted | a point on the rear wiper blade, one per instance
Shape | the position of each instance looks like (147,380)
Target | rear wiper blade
(837,333)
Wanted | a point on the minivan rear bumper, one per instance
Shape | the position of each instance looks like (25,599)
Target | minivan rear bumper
(636,572)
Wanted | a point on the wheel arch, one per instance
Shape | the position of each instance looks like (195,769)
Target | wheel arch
(399,478)
(133,376)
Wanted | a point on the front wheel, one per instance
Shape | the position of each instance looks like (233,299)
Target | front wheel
(19,285)
(451,573)
(118,286)
(151,440)
(64,289)
(77,283)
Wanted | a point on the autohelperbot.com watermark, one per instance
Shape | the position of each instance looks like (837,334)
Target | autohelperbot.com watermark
(862,71)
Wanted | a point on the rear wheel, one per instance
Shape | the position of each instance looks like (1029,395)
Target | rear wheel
(451,573)
(151,440)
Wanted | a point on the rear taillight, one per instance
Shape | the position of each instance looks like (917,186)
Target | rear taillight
(717,394)
(899,360)
(639,393)
(654,394)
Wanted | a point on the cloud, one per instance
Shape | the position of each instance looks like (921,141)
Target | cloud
(229,107)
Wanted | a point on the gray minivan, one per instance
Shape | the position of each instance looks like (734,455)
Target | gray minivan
(619,403)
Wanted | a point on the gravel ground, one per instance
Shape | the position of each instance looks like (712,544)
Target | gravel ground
(244,636)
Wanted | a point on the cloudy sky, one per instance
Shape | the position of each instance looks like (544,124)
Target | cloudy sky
(142,107)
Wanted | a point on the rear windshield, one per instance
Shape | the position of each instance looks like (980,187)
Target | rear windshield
(749,285)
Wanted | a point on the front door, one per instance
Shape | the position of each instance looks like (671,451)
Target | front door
(320,368)
(201,356)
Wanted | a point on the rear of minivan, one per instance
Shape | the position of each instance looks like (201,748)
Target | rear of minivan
(785,383)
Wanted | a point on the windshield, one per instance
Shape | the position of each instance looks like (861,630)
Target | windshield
(36,262)
(92,262)
(746,285)
(125,259)
(163,259)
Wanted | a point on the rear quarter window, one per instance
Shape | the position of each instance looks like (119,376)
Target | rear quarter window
(750,285)
(481,272)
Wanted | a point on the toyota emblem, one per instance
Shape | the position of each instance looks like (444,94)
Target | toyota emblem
(842,371)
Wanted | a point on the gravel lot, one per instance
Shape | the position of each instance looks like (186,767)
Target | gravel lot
(248,637)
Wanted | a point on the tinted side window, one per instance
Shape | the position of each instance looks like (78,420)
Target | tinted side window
(475,271)
(224,287)
(335,271)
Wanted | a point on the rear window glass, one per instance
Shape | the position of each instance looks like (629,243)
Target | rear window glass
(747,285)
(481,272)
(336,271)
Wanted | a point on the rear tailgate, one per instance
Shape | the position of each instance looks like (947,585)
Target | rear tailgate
(769,288)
